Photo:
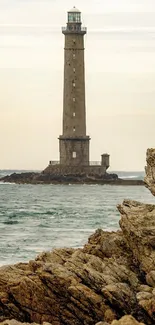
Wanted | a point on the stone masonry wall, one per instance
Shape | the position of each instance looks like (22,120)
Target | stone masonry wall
(74,144)
(74,152)
(75,170)
(74,119)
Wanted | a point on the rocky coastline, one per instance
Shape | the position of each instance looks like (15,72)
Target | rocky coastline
(110,281)
(41,178)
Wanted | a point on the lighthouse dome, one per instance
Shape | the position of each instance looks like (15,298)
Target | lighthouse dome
(74,16)
(74,9)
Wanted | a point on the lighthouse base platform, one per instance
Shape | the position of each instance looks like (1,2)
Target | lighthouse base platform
(59,169)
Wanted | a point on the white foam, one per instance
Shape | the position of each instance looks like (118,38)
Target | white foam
(131,176)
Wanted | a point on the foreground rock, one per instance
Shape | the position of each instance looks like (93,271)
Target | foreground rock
(126,320)
(112,276)
(15,322)
(41,178)
(150,170)
(100,282)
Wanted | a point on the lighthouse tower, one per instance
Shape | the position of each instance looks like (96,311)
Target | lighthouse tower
(74,143)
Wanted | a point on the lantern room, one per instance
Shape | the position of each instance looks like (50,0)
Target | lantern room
(74,16)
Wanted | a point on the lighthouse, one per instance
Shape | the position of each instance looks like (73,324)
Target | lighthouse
(74,143)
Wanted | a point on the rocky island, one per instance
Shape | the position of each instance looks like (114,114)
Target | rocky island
(43,178)
(111,280)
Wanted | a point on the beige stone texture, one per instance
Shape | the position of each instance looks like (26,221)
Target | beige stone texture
(74,144)
(69,147)
(74,87)
(75,170)
(126,320)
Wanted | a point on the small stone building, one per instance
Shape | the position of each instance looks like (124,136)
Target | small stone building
(74,142)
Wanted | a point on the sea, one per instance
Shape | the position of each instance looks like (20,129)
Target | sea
(37,218)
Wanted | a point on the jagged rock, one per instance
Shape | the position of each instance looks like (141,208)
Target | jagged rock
(102,323)
(126,320)
(111,276)
(138,226)
(142,295)
(150,170)
(74,286)
(15,322)
(145,288)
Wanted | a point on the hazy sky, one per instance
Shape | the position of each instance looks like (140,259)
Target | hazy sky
(120,80)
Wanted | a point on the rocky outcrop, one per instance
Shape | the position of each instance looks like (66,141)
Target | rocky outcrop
(112,276)
(43,178)
(126,320)
(84,286)
(58,178)
(15,322)
(150,170)
(21,178)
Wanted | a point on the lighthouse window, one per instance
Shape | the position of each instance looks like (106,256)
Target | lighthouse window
(74,114)
(74,17)
(74,129)
(73,84)
(74,69)
(78,17)
(73,99)
(74,154)
(73,55)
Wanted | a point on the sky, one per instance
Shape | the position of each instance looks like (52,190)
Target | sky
(120,80)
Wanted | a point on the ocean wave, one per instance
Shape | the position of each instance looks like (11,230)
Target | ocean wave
(57,216)
(130,176)
(7,183)
(10,222)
